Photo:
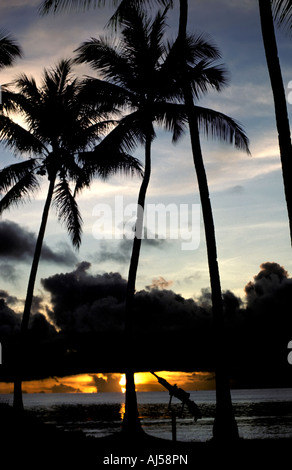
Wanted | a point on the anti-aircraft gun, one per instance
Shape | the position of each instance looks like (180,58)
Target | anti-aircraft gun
(181,394)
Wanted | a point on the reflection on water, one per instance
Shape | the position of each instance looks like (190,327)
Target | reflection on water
(122,411)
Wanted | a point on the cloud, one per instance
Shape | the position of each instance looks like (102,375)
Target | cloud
(106,382)
(17,243)
(8,272)
(86,303)
(12,300)
(271,280)
(159,283)
(120,255)
(9,321)
(63,388)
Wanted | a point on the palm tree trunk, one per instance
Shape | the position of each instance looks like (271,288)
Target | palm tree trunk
(131,422)
(225,427)
(17,398)
(282,120)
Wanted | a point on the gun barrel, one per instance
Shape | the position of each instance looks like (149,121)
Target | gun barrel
(181,394)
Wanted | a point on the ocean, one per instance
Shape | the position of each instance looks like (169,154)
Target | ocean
(260,413)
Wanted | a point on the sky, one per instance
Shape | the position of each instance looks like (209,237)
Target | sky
(246,191)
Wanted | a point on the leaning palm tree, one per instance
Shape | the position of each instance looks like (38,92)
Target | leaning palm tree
(145,73)
(60,125)
(279,11)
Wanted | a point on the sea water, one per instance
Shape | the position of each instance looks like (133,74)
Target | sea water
(260,413)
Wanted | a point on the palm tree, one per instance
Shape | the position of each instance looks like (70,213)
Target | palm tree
(60,125)
(148,76)
(9,49)
(225,427)
(281,12)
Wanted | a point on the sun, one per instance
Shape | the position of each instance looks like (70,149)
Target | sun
(122,383)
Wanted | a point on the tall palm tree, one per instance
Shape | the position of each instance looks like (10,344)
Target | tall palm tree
(148,76)
(279,11)
(60,124)
(224,427)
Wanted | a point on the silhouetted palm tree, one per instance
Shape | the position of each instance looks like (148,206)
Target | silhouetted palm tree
(281,11)
(225,426)
(60,125)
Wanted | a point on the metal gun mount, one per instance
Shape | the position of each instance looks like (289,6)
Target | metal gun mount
(182,395)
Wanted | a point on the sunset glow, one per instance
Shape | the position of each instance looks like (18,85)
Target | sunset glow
(122,383)
(98,383)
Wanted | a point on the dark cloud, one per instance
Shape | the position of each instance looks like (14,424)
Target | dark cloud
(106,382)
(63,388)
(271,282)
(9,320)
(17,243)
(170,332)
(10,299)
(86,303)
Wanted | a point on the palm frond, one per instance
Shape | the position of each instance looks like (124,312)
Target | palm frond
(12,174)
(205,76)
(104,164)
(200,47)
(28,88)
(104,56)
(57,79)
(128,5)
(218,125)
(126,136)
(9,49)
(17,138)
(20,192)
(68,211)
(108,97)
(8,104)
(172,117)
(282,13)
(57,6)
